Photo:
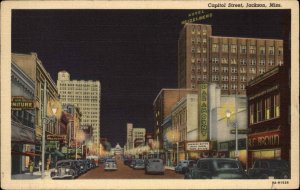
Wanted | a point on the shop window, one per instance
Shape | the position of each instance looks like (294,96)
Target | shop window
(268,108)
(277,105)
(259,111)
(233,48)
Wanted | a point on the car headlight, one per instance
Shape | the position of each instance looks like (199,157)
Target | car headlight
(106,164)
(81,167)
(55,170)
(67,170)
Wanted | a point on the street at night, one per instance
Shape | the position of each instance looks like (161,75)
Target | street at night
(125,172)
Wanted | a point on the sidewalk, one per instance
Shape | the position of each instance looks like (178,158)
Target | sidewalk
(36,175)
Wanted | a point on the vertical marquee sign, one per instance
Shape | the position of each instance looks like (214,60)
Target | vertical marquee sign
(203,112)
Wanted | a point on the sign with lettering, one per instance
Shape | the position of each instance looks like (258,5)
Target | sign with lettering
(240,131)
(203,112)
(56,137)
(195,146)
(197,16)
(21,103)
(264,140)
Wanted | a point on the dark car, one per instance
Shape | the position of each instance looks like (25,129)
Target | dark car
(139,164)
(65,169)
(83,166)
(132,163)
(184,166)
(270,169)
(217,168)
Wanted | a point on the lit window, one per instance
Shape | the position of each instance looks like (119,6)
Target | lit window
(224,69)
(215,78)
(243,49)
(271,62)
(224,61)
(271,50)
(243,61)
(233,69)
(262,62)
(277,105)
(252,70)
(215,48)
(253,62)
(225,48)
(268,108)
(233,78)
(252,50)
(259,110)
(252,114)
(280,51)
(233,48)
(232,61)
(215,69)
(215,60)
(262,50)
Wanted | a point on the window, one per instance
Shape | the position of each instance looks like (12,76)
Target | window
(198,50)
(251,114)
(215,69)
(224,78)
(242,87)
(193,49)
(225,48)
(243,49)
(233,78)
(193,30)
(243,70)
(262,70)
(215,78)
(252,70)
(215,48)
(193,59)
(204,165)
(225,69)
(215,60)
(242,61)
(252,50)
(204,50)
(232,61)
(259,111)
(243,78)
(280,62)
(253,62)
(271,50)
(233,48)
(233,87)
(262,50)
(233,69)
(280,51)
(204,68)
(204,77)
(224,86)
(277,105)
(193,40)
(204,40)
(268,108)
(224,61)
(204,31)
(262,62)
(271,62)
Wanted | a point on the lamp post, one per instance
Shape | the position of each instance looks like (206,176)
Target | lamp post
(234,124)
(46,121)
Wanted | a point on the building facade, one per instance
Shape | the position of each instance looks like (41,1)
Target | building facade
(84,94)
(229,61)
(138,137)
(129,142)
(22,120)
(32,66)
(162,106)
(269,115)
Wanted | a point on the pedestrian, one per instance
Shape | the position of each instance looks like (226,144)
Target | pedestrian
(48,164)
(40,166)
(31,166)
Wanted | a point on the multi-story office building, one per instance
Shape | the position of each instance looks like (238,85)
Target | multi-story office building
(84,94)
(229,61)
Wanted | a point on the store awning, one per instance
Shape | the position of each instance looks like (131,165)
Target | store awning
(59,154)
(25,153)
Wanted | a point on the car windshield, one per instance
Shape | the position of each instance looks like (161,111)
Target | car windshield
(227,165)
(139,161)
(63,164)
(154,160)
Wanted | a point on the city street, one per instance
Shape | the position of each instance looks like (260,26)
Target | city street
(125,172)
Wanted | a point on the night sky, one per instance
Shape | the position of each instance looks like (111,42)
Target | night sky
(133,53)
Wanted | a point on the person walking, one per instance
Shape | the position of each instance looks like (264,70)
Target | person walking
(40,166)
(31,166)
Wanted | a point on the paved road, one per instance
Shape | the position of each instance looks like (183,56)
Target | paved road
(125,172)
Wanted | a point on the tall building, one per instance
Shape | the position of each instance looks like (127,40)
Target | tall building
(84,94)
(229,61)
(138,136)
(129,136)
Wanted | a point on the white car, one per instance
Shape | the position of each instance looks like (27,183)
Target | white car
(110,164)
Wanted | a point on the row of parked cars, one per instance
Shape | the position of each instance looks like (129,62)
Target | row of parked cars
(71,168)
(225,168)
(151,166)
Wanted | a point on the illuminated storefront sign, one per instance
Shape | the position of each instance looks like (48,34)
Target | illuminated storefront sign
(203,112)
(56,137)
(194,146)
(271,139)
(20,103)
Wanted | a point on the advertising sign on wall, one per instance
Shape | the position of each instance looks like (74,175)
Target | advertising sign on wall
(21,103)
(194,146)
(203,112)
(264,140)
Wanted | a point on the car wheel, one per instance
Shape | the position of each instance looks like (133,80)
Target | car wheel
(284,176)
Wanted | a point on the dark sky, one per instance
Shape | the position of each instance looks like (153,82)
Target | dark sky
(132,52)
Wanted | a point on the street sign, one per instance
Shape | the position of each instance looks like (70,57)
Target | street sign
(240,131)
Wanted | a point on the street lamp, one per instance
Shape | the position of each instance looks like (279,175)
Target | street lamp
(234,125)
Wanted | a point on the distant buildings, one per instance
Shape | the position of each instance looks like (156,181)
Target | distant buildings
(228,61)
(84,94)
(138,137)
(129,140)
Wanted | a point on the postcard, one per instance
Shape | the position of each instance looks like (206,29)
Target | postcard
(150,94)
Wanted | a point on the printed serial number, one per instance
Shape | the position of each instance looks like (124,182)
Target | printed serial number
(280,182)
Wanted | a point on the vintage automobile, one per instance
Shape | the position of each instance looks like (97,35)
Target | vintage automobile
(217,168)
(132,163)
(110,164)
(139,164)
(154,165)
(65,169)
(83,166)
(270,169)
(184,166)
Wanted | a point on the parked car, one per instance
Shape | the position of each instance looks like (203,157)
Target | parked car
(154,165)
(184,166)
(93,163)
(139,164)
(217,168)
(127,161)
(110,164)
(83,166)
(65,169)
(270,169)
(132,163)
